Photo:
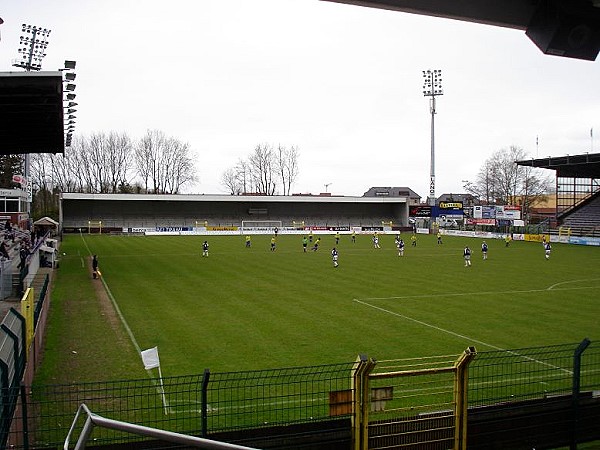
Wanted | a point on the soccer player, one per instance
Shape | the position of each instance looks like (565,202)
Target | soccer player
(376,241)
(337,238)
(467,256)
(439,238)
(400,246)
(304,243)
(507,240)
(334,257)
(547,249)
(316,246)
(484,250)
(413,240)
(94,265)
(205,248)
(310,236)
(273,243)
(353,236)
(248,241)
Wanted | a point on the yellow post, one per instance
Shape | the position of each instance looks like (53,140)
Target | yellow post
(461,383)
(27,307)
(360,413)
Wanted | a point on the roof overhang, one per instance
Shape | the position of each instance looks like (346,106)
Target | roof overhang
(31,112)
(572,166)
(231,198)
(568,28)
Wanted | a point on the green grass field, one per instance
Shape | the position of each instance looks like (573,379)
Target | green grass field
(242,309)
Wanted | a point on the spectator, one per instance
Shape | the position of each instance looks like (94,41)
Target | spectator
(4,250)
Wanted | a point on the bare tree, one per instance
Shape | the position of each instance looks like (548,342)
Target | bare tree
(287,167)
(242,173)
(229,179)
(263,171)
(501,181)
(118,157)
(163,163)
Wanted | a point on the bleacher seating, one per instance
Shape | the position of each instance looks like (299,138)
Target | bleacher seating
(586,216)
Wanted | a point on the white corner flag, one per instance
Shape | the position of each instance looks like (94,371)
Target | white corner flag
(150,358)
(151,361)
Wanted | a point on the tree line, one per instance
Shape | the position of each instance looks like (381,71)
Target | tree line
(503,182)
(268,170)
(158,164)
(104,163)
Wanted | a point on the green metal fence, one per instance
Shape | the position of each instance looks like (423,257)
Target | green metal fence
(515,375)
(199,405)
(211,403)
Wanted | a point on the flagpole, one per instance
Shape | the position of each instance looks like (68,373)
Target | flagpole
(162,391)
(152,361)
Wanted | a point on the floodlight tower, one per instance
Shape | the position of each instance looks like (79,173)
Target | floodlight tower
(32,47)
(432,86)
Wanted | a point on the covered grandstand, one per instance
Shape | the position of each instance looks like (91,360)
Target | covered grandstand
(120,212)
(577,190)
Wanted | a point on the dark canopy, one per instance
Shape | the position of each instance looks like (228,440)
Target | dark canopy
(31,112)
(573,166)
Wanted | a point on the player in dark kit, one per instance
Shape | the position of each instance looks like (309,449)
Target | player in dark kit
(467,256)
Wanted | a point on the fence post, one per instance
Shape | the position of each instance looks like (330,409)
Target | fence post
(361,404)
(24,417)
(461,383)
(576,388)
(204,403)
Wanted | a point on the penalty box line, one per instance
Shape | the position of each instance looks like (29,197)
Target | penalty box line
(461,294)
(425,324)
(460,336)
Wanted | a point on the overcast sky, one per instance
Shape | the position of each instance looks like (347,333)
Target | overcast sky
(342,83)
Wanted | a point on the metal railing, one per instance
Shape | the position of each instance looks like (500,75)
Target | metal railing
(95,420)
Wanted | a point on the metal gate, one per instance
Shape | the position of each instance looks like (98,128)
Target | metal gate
(418,403)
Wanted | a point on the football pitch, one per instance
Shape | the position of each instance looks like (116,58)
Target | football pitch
(252,308)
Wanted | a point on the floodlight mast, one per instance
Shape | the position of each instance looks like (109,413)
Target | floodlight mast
(32,47)
(432,86)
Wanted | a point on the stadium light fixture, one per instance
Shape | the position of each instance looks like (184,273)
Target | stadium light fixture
(68,104)
(32,47)
(432,86)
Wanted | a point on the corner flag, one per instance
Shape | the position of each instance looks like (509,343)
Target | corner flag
(151,361)
(150,358)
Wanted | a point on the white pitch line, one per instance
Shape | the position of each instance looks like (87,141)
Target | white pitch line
(572,281)
(461,336)
(462,294)
(124,322)
(420,322)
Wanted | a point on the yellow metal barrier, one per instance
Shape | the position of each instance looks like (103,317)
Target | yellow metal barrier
(418,401)
(27,309)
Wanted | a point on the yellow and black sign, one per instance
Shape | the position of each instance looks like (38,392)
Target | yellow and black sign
(451,205)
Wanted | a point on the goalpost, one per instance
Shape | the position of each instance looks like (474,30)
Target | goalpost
(260,225)
(94,225)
